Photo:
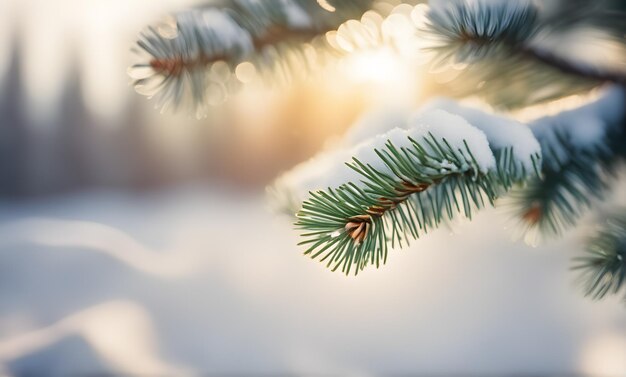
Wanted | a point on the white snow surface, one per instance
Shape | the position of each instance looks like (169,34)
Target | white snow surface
(457,131)
(232,295)
(501,132)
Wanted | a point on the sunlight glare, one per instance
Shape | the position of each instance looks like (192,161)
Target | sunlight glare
(374,66)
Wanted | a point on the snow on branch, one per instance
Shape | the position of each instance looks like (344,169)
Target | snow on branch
(399,184)
(586,127)
(503,133)
(328,169)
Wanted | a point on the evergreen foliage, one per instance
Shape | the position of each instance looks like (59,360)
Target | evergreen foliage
(568,186)
(431,181)
(499,50)
(603,267)
(187,61)
(497,39)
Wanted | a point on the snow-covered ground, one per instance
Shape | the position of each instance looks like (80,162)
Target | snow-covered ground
(206,281)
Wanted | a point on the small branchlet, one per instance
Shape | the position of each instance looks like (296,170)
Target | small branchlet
(190,62)
(465,31)
(571,178)
(358,226)
(603,268)
(493,40)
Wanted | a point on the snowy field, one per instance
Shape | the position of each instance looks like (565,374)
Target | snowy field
(203,281)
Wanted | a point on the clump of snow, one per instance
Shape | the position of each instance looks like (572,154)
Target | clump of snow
(442,124)
(500,131)
(585,127)
(457,131)
(366,151)
(292,187)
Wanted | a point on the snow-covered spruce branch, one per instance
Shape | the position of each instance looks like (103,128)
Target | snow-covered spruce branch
(407,181)
(176,59)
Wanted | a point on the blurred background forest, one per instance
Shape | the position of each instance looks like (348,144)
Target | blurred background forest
(134,242)
(70,119)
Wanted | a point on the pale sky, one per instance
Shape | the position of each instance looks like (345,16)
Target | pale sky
(99,33)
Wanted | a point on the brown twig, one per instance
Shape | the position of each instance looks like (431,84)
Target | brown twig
(569,67)
(174,66)
(358,227)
